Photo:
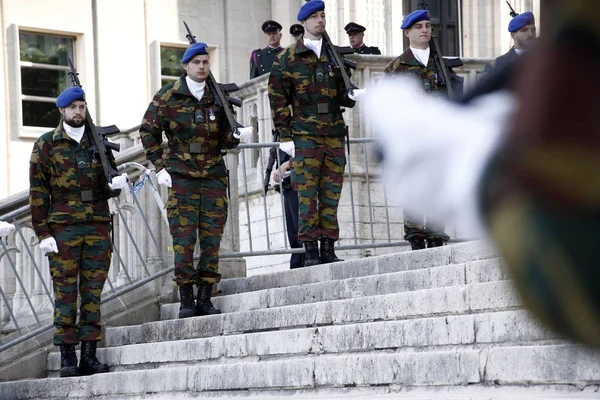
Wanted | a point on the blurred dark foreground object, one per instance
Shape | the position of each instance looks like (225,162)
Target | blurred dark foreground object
(540,194)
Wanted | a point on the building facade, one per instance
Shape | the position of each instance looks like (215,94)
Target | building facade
(125,50)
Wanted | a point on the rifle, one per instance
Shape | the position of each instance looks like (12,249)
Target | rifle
(440,65)
(333,52)
(222,98)
(98,134)
(272,158)
(512,11)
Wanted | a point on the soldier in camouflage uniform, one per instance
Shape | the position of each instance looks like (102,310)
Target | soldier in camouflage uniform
(70,215)
(302,76)
(195,173)
(261,60)
(418,60)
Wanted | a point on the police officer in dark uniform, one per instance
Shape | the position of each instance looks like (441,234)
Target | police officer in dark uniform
(356,34)
(262,59)
(296,30)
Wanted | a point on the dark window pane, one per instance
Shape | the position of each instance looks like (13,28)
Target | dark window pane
(170,61)
(43,82)
(45,49)
(40,114)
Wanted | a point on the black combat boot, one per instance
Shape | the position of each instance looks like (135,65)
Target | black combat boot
(203,304)
(434,243)
(89,364)
(417,243)
(312,254)
(68,361)
(327,251)
(186,295)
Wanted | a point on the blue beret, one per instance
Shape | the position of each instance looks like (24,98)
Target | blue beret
(414,17)
(309,8)
(520,21)
(193,51)
(69,95)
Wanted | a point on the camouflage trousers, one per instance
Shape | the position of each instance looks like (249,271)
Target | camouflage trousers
(197,209)
(84,253)
(415,227)
(318,176)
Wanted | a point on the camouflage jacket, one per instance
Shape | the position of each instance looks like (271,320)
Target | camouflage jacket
(59,169)
(301,80)
(261,61)
(408,64)
(184,120)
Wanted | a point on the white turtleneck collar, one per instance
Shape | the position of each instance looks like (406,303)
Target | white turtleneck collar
(196,88)
(74,133)
(421,54)
(519,51)
(314,45)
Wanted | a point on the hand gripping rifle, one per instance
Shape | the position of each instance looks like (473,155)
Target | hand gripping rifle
(222,98)
(512,11)
(100,145)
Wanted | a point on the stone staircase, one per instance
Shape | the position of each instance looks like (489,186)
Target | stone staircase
(443,323)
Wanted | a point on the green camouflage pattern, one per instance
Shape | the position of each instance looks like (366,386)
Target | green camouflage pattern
(197,204)
(60,166)
(184,119)
(406,63)
(298,78)
(83,259)
(540,193)
(197,209)
(318,175)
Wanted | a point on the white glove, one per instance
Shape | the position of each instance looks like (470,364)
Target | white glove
(288,147)
(5,228)
(49,245)
(243,133)
(119,182)
(164,178)
(357,94)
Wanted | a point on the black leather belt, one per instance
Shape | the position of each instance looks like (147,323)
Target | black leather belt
(319,108)
(84,195)
(192,148)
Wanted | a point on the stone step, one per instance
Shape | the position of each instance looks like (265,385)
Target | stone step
(504,366)
(455,300)
(449,275)
(508,327)
(453,254)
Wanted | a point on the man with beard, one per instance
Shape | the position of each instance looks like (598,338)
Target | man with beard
(312,131)
(523,33)
(70,215)
(194,171)
(261,60)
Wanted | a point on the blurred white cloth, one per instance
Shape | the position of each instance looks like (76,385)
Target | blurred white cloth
(434,151)
(243,133)
(119,182)
(288,148)
(49,245)
(357,94)
(164,178)
(6,228)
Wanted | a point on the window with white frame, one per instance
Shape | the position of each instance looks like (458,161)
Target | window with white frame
(170,64)
(44,67)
